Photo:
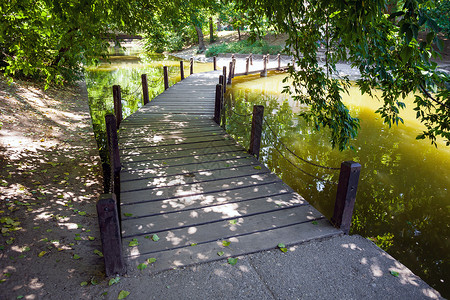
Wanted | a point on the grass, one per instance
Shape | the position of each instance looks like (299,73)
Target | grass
(245,47)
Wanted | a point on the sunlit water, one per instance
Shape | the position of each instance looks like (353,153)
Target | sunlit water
(403,202)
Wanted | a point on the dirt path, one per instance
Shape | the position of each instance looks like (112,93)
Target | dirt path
(49,183)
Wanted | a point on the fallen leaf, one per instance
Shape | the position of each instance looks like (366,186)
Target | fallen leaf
(127,214)
(393,273)
(84,283)
(193,244)
(155,238)
(123,294)
(257,168)
(226,243)
(142,266)
(98,252)
(314,222)
(233,222)
(113,280)
(133,242)
(232,261)
(76,256)
(151,260)
(42,253)
(220,253)
(91,238)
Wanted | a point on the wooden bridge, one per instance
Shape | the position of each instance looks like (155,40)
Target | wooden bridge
(190,194)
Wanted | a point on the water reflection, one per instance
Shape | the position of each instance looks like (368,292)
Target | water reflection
(403,200)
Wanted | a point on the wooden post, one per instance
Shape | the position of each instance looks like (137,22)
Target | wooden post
(224,79)
(346,195)
(222,83)
(192,65)
(117,96)
(182,69)
(230,74)
(234,66)
(279,60)
(247,66)
(267,57)
(114,158)
(255,135)
(215,63)
(251,59)
(264,72)
(218,104)
(145,88)
(166,78)
(108,221)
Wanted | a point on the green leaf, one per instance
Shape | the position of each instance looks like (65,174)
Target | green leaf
(281,245)
(91,238)
(220,253)
(76,256)
(114,281)
(314,223)
(82,213)
(155,238)
(226,243)
(257,168)
(233,222)
(232,261)
(142,266)
(127,214)
(42,253)
(123,294)
(84,283)
(193,244)
(133,242)
(151,260)
(284,250)
(98,252)
(393,273)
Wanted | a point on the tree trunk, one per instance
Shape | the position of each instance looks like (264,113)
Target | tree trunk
(239,33)
(211,30)
(201,42)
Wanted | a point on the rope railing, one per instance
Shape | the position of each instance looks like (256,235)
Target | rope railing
(292,152)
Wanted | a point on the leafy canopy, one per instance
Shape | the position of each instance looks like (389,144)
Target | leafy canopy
(384,46)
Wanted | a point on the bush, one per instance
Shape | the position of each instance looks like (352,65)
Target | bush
(244,47)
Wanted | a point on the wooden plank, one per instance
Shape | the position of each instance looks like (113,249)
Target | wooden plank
(155,139)
(197,188)
(240,245)
(268,192)
(195,140)
(203,218)
(176,176)
(233,156)
(162,154)
(124,154)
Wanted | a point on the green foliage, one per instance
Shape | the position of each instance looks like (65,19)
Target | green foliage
(441,14)
(386,49)
(244,46)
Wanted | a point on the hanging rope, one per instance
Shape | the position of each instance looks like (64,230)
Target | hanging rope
(290,151)
(241,115)
(301,170)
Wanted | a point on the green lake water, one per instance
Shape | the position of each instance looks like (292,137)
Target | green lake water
(403,198)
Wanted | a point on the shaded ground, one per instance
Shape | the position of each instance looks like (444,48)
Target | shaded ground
(49,170)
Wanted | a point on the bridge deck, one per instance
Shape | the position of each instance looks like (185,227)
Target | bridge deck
(187,181)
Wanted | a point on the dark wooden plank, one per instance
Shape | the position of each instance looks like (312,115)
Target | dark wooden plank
(260,219)
(269,193)
(197,188)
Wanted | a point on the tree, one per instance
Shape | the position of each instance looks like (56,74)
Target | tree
(52,39)
(384,47)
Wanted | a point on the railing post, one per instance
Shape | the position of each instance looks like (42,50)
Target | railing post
(222,83)
(166,78)
(192,65)
(215,63)
(279,60)
(346,195)
(114,158)
(234,67)
(247,67)
(264,72)
(230,74)
(181,69)
(108,221)
(145,88)
(218,105)
(224,79)
(255,136)
(117,97)
(251,59)
(267,57)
